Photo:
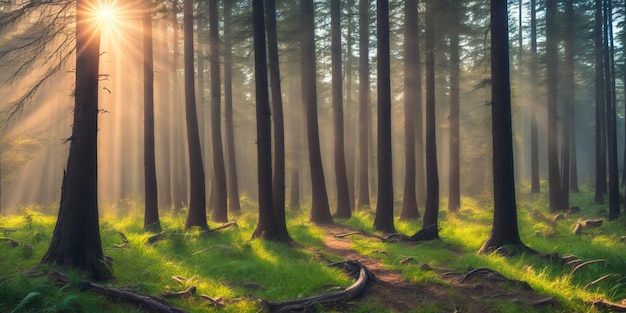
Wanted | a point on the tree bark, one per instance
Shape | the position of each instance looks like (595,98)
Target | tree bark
(384,206)
(504,230)
(320,212)
(600,108)
(266,227)
(151,215)
(233,185)
(364,102)
(431,211)
(76,238)
(220,211)
(278,179)
(341,174)
(411,74)
(454,190)
(197,197)
(554,175)
(534,137)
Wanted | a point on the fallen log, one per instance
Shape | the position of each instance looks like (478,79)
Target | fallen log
(606,304)
(330,299)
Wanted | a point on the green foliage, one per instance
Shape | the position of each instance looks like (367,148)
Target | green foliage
(227,264)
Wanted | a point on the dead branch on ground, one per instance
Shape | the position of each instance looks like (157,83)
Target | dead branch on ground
(330,299)
(606,304)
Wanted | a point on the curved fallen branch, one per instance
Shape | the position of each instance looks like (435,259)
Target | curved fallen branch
(606,304)
(127,294)
(330,299)
(579,266)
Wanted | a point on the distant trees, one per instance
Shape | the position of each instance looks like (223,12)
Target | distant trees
(454,183)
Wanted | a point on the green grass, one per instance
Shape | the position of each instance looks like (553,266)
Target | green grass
(229,265)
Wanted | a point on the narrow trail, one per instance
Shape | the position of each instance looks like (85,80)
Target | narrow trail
(398,295)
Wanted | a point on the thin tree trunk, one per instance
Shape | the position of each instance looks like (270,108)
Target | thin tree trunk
(454,191)
(554,177)
(568,95)
(431,210)
(384,206)
(278,180)
(320,211)
(350,134)
(505,228)
(220,211)
(364,99)
(411,66)
(197,197)
(600,107)
(233,185)
(266,227)
(341,175)
(609,60)
(534,72)
(151,215)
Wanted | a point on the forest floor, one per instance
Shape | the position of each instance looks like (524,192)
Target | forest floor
(457,294)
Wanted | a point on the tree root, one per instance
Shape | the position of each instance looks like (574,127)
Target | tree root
(579,266)
(355,268)
(14,243)
(606,304)
(425,234)
(127,294)
(492,275)
(162,235)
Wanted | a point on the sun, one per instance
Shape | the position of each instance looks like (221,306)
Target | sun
(105,13)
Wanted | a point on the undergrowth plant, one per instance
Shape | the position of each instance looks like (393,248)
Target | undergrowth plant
(227,264)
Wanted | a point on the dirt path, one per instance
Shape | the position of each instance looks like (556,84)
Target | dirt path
(395,294)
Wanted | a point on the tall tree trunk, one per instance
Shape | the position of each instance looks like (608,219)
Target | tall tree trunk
(179,190)
(505,228)
(411,73)
(350,134)
(296,157)
(266,227)
(431,210)
(534,72)
(454,191)
(554,176)
(600,108)
(220,211)
(76,238)
(164,119)
(341,174)
(320,212)
(568,101)
(609,73)
(278,180)
(233,185)
(151,214)
(364,102)
(384,206)
(197,197)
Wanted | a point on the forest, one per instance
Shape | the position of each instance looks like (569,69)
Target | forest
(312,156)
